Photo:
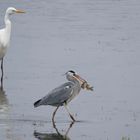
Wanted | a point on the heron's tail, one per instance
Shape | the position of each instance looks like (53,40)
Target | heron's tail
(37,103)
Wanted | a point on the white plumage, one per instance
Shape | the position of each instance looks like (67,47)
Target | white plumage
(5,34)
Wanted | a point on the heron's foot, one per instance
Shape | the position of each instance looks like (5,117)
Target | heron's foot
(72,118)
(71,124)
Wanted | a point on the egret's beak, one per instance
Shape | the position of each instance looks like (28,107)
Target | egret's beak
(84,83)
(20,11)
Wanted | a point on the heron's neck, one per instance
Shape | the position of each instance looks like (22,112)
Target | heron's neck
(73,80)
(7,26)
(77,86)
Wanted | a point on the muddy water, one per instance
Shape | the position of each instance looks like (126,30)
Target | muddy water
(97,38)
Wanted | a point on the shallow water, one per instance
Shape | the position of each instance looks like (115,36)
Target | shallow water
(97,38)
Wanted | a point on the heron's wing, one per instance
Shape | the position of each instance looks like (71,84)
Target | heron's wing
(58,95)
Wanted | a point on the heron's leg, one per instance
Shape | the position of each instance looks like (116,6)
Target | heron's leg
(54,126)
(2,73)
(54,115)
(69,113)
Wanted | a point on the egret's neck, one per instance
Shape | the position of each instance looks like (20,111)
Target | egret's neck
(7,27)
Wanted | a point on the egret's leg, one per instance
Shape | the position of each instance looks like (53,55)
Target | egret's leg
(54,114)
(2,73)
(69,113)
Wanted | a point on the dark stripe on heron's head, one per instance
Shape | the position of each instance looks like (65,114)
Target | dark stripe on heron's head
(72,71)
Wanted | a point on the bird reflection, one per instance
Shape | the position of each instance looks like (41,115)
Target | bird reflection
(4,104)
(53,136)
(1,84)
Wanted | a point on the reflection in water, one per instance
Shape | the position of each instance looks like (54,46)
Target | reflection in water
(4,114)
(1,75)
(5,120)
(53,136)
(4,104)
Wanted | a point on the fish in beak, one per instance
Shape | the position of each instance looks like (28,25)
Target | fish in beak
(84,83)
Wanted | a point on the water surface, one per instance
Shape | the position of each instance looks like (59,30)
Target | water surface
(97,38)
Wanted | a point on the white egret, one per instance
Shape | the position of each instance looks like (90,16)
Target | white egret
(5,34)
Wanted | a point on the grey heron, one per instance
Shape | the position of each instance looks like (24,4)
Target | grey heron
(63,94)
(5,34)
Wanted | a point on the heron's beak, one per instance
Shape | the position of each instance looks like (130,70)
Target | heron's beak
(84,83)
(20,11)
(80,79)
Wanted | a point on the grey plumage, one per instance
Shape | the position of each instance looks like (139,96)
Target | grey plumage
(58,96)
(63,94)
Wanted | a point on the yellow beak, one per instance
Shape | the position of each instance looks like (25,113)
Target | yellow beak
(20,11)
